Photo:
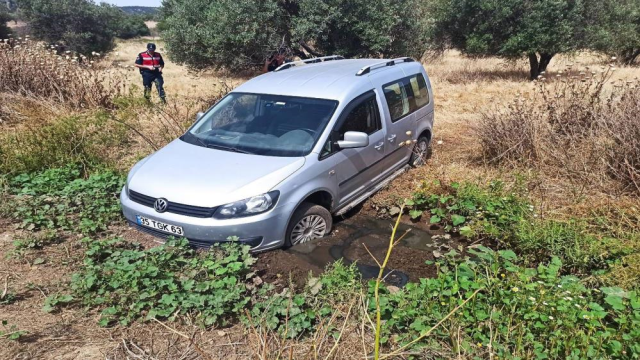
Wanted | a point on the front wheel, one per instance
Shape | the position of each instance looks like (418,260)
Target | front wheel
(309,222)
(421,152)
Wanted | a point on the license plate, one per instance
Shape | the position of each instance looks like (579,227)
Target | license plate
(157,225)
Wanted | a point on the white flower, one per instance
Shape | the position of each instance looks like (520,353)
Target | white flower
(532,298)
(560,286)
(576,305)
(550,317)
(545,303)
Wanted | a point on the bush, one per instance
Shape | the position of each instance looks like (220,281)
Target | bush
(517,313)
(88,140)
(163,282)
(502,216)
(571,128)
(492,213)
(80,25)
(131,26)
(60,199)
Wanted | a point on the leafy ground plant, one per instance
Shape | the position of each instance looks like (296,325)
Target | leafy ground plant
(61,199)
(518,312)
(164,282)
(11,332)
(293,314)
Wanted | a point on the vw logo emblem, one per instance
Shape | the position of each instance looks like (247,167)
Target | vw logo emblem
(161,205)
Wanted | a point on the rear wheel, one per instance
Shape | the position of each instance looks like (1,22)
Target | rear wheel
(421,152)
(309,222)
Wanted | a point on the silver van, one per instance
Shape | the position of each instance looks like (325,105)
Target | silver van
(270,163)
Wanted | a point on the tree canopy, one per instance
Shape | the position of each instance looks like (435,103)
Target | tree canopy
(242,33)
(80,25)
(510,28)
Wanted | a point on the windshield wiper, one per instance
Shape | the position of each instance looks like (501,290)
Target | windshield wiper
(228,148)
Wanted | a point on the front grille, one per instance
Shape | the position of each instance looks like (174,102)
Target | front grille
(181,209)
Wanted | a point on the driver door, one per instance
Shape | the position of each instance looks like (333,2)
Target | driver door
(358,169)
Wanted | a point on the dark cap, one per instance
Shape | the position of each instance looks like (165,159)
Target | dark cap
(151,46)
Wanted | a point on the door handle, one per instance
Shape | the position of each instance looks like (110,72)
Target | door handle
(392,138)
(379,146)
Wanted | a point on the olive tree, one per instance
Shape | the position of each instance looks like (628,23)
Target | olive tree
(80,25)
(239,34)
(616,28)
(537,29)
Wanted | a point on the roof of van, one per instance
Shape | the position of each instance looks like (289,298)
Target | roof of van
(334,80)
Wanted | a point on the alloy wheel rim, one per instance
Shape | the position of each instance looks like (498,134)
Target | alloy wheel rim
(308,228)
(421,152)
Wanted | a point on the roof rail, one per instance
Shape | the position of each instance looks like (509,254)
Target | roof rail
(367,69)
(288,65)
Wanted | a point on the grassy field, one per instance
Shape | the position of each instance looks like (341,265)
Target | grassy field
(58,222)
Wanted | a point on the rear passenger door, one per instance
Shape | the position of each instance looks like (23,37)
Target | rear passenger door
(406,103)
(357,169)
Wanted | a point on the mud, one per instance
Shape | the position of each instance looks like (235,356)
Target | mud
(356,239)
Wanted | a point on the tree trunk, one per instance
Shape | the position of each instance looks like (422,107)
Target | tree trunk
(533,65)
(538,65)
(629,56)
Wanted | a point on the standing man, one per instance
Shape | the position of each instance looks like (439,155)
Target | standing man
(151,64)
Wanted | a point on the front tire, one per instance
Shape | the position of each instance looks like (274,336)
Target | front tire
(309,222)
(421,152)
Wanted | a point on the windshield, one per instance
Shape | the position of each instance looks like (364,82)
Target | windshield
(261,124)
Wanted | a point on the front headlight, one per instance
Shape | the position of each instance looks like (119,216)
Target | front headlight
(247,207)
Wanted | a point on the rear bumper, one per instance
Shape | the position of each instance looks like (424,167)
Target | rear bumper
(261,232)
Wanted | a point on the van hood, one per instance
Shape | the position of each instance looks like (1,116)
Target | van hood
(194,175)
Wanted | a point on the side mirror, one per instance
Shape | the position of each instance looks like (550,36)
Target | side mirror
(199,116)
(354,139)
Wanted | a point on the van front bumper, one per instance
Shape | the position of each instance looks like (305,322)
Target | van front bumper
(261,232)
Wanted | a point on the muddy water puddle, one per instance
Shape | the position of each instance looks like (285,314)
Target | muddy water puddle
(355,240)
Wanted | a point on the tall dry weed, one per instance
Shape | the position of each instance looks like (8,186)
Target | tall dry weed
(575,126)
(37,71)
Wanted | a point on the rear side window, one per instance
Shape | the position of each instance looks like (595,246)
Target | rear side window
(397,99)
(406,96)
(420,91)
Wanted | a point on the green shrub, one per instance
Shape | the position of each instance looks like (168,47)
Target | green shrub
(580,252)
(523,313)
(81,25)
(491,212)
(89,140)
(60,199)
(505,217)
(164,282)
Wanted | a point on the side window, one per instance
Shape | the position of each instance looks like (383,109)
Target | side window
(420,91)
(364,117)
(397,95)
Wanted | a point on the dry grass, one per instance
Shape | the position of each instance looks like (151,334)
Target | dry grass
(36,71)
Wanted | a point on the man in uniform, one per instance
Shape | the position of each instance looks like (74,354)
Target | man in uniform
(151,64)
